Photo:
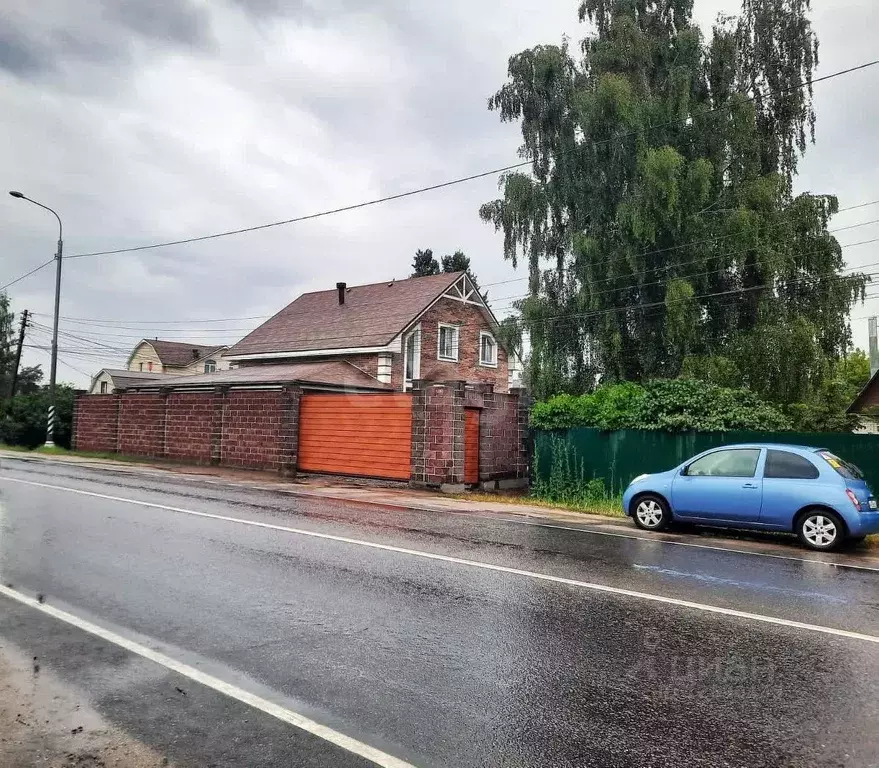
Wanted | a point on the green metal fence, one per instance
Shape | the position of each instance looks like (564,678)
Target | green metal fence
(617,457)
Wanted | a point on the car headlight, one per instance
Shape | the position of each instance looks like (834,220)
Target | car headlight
(640,478)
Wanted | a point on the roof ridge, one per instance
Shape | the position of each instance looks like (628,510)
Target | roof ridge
(388,282)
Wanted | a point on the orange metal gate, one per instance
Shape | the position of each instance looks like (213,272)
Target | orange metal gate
(366,435)
(471,445)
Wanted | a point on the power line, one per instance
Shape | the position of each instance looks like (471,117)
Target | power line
(441,185)
(626,286)
(421,190)
(709,240)
(27,274)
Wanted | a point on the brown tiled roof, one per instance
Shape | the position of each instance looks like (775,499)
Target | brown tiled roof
(371,316)
(335,373)
(180,353)
(124,378)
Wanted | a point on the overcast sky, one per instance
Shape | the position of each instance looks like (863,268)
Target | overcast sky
(149,121)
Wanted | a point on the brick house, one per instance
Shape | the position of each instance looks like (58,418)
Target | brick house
(403,380)
(435,328)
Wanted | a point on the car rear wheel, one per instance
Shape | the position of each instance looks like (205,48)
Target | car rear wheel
(651,512)
(821,530)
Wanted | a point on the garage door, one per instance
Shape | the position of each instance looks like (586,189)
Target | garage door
(366,435)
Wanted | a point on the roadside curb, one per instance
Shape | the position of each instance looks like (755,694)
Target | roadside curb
(534,516)
(356,494)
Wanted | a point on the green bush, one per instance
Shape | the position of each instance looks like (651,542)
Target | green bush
(23,418)
(669,404)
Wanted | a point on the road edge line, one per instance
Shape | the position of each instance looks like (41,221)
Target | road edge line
(289,716)
(593,586)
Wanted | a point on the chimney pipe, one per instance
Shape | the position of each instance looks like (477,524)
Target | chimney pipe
(340,287)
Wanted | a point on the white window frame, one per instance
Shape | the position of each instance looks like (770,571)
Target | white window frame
(105,388)
(488,363)
(416,361)
(212,363)
(456,342)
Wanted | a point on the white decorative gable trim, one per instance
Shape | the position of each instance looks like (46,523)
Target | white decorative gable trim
(464,291)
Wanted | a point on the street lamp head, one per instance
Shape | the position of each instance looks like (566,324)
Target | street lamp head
(16,194)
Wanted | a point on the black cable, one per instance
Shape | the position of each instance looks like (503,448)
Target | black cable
(442,185)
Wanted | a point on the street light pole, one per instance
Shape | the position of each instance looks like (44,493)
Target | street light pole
(50,423)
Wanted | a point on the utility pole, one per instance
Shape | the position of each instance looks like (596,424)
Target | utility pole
(18,353)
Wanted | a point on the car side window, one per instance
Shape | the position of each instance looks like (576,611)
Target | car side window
(737,462)
(782,464)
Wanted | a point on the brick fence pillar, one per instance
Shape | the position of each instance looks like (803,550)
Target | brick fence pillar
(418,466)
(524,441)
(74,419)
(164,392)
(455,471)
(288,435)
(437,434)
(219,395)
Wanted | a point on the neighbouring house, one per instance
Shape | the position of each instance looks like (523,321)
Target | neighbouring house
(401,380)
(866,406)
(178,357)
(109,380)
(435,328)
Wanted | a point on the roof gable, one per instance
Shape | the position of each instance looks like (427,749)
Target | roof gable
(177,353)
(372,316)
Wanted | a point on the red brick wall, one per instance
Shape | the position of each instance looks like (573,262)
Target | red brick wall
(189,426)
(95,422)
(503,425)
(259,429)
(141,424)
(438,433)
(245,428)
(470,321)
(438,449)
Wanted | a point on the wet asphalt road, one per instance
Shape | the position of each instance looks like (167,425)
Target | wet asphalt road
(438,663)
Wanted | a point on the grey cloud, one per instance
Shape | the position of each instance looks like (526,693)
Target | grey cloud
(20,56)
(175,21)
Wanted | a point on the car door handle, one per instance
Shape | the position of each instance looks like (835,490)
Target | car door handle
(752,486)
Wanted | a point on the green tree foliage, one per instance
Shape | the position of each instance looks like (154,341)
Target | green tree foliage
(23,418)
(29,377)
(424,264)
(658,223)
(7,345)
(668,404)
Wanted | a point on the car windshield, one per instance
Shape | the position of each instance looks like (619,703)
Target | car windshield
(845,468)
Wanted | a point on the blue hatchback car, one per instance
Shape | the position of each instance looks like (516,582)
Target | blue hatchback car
(809,491)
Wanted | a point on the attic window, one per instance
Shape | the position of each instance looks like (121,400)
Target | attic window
(210,366)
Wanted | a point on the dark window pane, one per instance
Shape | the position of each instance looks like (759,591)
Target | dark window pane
(789,465)
(739,462)
(845,468)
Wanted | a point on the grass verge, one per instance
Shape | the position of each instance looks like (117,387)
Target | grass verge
(609,507)
(56,450)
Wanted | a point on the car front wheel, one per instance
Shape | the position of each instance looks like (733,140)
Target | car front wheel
(651,512)
(821,530)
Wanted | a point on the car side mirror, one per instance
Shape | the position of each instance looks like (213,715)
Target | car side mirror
(684,470)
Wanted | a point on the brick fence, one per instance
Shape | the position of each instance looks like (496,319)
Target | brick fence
(259,429)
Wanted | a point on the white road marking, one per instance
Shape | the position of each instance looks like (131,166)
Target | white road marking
(654,540)
(705,607)
(221,686)
(489,515)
